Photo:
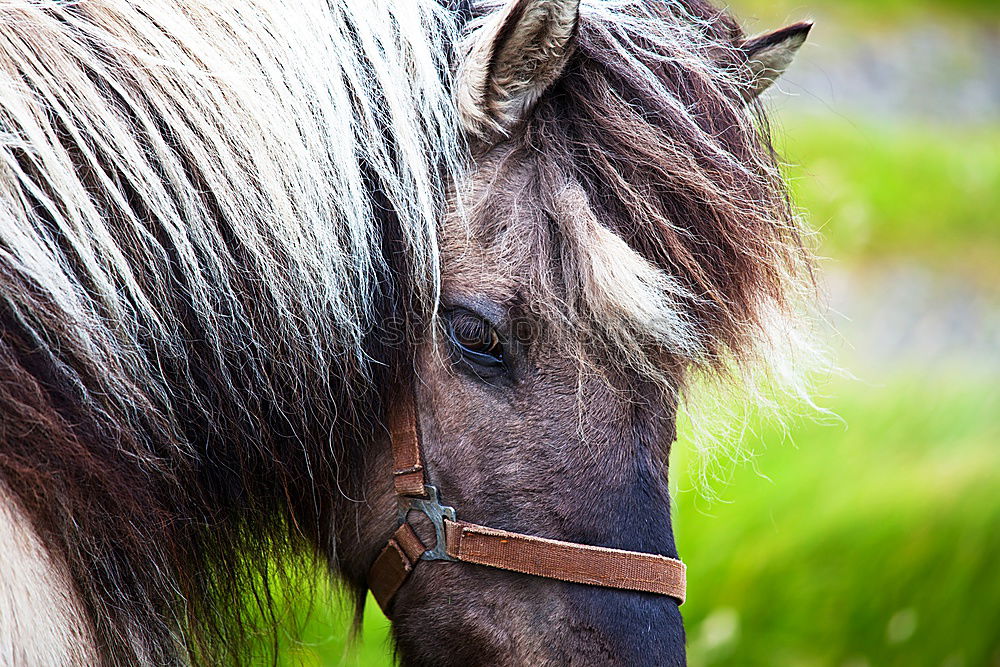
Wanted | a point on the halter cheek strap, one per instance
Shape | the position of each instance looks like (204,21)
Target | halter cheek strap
(471,543)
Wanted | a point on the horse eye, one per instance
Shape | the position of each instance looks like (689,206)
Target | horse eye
(474,337)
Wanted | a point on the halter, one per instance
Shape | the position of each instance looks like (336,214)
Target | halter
(471,543)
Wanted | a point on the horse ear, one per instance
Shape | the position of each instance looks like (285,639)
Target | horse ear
(770,54)
(511,60)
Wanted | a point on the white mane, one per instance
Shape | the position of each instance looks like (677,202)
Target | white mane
(277,105)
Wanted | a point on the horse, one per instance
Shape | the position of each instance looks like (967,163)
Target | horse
(234,236)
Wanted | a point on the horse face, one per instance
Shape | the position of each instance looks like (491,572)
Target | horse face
(529,421)
(547,393)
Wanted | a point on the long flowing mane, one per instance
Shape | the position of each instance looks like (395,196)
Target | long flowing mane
(652,120)
(196,204)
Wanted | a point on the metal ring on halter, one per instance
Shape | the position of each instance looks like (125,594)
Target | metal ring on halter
(432,508)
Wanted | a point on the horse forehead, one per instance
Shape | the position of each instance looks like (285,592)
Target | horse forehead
(496,266)
(475,276)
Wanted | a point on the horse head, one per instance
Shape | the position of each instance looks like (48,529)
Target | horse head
(620,227)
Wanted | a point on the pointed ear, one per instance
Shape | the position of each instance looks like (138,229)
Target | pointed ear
(511,60)
(770,54)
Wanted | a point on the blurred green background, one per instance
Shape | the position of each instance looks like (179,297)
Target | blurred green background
(871,539)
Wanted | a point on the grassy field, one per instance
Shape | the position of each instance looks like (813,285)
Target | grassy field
(864,13)
(868,543)
(884,191)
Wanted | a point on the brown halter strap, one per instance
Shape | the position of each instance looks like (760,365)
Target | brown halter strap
(470,543)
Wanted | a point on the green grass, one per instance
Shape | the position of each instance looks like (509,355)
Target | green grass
(321,634)
(872,543)
(929,193)
(771,14)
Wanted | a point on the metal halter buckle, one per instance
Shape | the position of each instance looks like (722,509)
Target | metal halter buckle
(432,508)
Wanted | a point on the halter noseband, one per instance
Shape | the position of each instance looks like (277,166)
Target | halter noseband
(470,543)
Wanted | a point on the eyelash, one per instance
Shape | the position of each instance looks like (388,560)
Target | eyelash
(474,337)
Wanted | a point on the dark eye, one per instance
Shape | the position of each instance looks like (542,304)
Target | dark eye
(474,337)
